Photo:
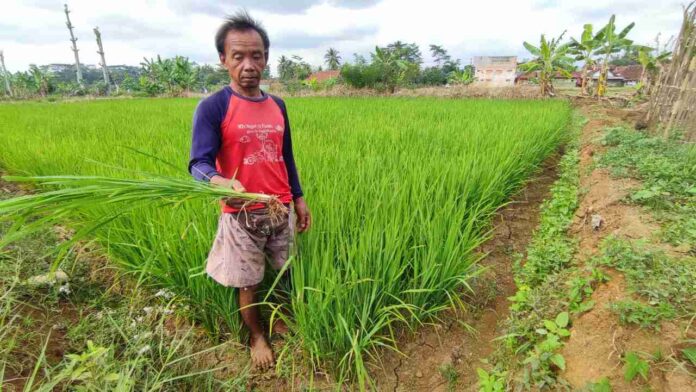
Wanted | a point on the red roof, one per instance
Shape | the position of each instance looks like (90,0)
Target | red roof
(629,72)
(324,75)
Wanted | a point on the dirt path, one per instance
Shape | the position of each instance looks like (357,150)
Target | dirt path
(597,339)
(446,356)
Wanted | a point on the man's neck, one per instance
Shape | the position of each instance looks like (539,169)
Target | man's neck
(247,92)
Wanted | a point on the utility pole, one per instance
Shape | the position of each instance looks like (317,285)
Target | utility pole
(74,46)
(5,75)
(103,61)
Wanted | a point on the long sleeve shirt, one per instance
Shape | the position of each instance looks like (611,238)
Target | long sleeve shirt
(247,139)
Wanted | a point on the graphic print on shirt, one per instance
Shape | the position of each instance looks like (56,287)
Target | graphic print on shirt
(268,149)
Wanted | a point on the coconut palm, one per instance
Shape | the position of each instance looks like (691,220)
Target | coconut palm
(332,59)
(583,50)
(610,43)
(551,58)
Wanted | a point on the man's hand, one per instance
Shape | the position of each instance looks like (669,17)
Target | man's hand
(304,218)
(233,184)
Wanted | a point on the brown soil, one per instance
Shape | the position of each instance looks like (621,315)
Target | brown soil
(597,342)
(464,340)
(48,324)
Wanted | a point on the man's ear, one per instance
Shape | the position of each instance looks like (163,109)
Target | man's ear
(222,58)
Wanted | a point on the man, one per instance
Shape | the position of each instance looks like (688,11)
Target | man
(241,140)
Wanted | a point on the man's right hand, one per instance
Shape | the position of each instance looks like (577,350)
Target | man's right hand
(233,184)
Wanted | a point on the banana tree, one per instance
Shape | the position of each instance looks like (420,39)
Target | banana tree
(583,50)
(550,58)
(651,62)
(610,43)
(41,80)
(463,76)
(394,70)
(184,74)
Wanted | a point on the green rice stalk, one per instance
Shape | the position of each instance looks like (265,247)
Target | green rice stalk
(66,196)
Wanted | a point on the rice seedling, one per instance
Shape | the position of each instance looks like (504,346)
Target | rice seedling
(401,190)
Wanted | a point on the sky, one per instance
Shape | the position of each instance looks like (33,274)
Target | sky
(34,32)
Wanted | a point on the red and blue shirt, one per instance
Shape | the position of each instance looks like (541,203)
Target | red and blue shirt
(247,139)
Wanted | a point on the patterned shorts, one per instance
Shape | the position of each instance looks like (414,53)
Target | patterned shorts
(243,242)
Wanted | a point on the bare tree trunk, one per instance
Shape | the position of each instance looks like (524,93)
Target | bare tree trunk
(74,46)
(103,60)
(583,82)
(5,74)
(543,83)
(643,82)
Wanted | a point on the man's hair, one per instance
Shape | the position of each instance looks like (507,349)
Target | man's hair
(240,21)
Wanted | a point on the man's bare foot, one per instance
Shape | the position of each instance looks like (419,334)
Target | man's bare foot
(261,352)
(279,327)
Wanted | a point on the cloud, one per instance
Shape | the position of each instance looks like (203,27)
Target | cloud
(302,40)
(47,4)
(353,4)
(33,31)
(46,34)
(220,9)
(128,28)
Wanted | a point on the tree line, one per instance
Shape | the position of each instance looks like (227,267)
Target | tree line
(387,68)
(155,76)
(398,64)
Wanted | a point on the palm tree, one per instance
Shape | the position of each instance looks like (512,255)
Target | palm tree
(610,43)
(550,59)
(583,51)
(332,59)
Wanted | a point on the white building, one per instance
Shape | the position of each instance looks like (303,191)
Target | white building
(495,70)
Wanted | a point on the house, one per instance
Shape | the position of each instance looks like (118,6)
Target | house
(322,76)
(612,79)
(630,73)
(495,70)
(526,77)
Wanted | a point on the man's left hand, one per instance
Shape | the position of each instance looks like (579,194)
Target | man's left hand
(304,218)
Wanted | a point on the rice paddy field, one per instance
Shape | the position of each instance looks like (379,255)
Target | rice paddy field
(401,191)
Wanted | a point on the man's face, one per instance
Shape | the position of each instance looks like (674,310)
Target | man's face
(244,58)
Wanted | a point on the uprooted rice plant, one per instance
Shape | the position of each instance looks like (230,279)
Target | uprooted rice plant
(401,191)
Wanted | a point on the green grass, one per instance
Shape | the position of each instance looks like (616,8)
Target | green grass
(401,190)
(665,282)
(50,339)
(667,170)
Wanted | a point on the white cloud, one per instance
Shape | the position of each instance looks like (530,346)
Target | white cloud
(34,31)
